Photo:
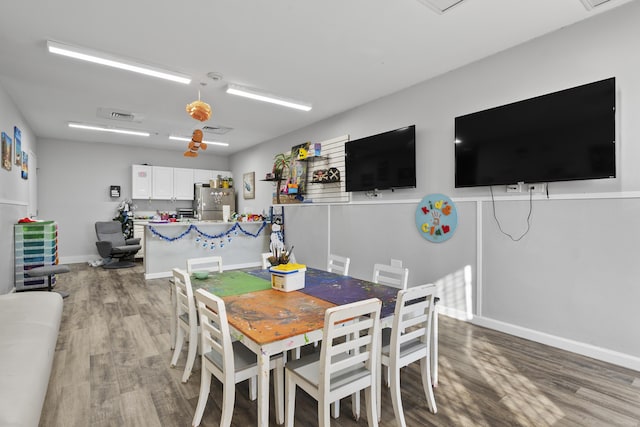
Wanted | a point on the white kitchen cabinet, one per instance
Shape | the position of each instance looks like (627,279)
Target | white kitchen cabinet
(182,184)
(202,176)
(172,183)
(141,181)
(165,183)
(162,179)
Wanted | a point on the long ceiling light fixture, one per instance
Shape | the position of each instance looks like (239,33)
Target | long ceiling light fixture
(185,139)
(440,6)
(260,96)
(107,129)
(101,58)
(590,4)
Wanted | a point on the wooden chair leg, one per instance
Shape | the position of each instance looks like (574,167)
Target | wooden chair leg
(178,347)
(228,401)
(355,405)
(425,371)
(324,415)
(372,414)
(173,320)
(335,409)
(205,386)
(191,356)
(396,398)
(379,391)
(253,388)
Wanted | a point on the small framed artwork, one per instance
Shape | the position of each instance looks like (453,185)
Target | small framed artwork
(7,153)
(249,185)
(25,166)
(17,141)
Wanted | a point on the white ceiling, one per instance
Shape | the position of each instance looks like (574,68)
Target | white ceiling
(334,54)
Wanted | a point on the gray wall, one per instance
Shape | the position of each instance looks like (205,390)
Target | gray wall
(570,281)
(74,180)
(15,192)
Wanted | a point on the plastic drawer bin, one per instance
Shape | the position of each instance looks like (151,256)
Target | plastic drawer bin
(35,245)
(40,259)
(39,243)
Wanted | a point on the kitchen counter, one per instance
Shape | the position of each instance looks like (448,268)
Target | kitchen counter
(170,244)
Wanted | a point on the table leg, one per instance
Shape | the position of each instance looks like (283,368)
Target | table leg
(263,391)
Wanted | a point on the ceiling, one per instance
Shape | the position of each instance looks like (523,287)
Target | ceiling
(334,54)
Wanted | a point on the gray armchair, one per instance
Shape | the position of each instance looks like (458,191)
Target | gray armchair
(112,244)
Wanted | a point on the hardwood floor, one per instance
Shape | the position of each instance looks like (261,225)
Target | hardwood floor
(111,368)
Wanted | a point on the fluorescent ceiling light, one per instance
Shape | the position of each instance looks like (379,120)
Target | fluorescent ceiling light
(185,139)
(113,61)
(259,96)
(590,4)
(440,6)
(108,129)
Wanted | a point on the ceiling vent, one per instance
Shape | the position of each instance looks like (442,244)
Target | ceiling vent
(217,130)
(590,4)
(441,6)
(119,115)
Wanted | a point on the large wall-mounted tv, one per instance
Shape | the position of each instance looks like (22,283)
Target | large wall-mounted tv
(561,136)
(381,162)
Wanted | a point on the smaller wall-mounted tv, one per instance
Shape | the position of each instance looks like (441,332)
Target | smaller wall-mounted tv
(381,162)
(561,136)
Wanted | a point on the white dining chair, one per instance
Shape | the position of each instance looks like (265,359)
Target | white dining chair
(230,362)
(211,263)
(265,260)
(344,366)
(338,264)
(391,275)
(410,342)
(186,321)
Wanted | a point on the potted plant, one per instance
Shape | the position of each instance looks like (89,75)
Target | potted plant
(281,165)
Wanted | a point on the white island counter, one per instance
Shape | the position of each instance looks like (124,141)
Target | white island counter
(169,245)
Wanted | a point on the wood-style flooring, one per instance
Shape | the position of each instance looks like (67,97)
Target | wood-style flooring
(111,368)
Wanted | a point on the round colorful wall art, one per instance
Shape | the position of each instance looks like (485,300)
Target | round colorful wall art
(436,218)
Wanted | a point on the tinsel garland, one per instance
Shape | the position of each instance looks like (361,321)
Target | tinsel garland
(192,227)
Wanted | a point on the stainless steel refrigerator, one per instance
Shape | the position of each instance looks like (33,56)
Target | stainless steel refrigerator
(209,202)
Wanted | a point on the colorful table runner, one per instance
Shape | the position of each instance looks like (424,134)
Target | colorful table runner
(268,316)
(341,290)
(231,283)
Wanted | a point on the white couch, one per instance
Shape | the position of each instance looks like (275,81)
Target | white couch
(29,325)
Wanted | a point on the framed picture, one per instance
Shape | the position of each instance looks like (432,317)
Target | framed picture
(17,140)
(7,154)
(25,166)
(249,185)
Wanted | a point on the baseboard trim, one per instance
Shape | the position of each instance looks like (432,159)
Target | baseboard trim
(452,312)
(163,274)
(599,353)
(78,259)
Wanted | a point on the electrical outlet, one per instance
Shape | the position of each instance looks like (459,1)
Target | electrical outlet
(514,188)
(539,188)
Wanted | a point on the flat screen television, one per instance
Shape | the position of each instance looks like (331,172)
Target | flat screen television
(561,136)
(381,162)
